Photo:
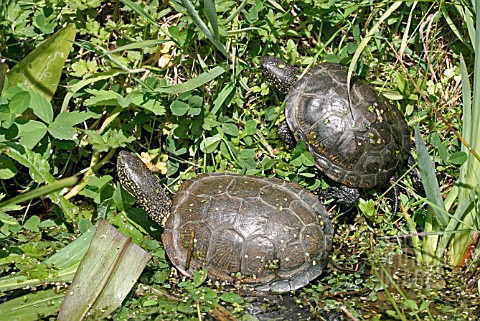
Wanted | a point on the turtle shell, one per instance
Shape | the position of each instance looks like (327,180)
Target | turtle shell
(362,146)
(264,232)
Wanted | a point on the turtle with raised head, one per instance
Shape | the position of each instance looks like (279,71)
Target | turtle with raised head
(356,137)
(264,233)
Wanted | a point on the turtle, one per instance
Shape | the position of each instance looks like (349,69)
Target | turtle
(357,137)
(263,234)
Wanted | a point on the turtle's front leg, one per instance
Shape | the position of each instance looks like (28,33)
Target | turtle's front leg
(343,195)
(285,135)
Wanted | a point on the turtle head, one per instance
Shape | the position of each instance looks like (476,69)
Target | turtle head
(279,73)
(137,179)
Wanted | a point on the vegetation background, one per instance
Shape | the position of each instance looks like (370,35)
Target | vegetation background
(180,83)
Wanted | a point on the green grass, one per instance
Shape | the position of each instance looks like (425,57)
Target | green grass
(180,81)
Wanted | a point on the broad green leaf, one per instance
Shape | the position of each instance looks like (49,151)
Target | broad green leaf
(42,68)
(192,83)
(230,129)
(31,132)
(412,305)
(108,271)
(210,144)
(458,158)
(112,138)
(41,106)
(32,223)
(75,88)
(19,103)
(62,126)
(147,101)
(7,219)
(32,306)
(179,108)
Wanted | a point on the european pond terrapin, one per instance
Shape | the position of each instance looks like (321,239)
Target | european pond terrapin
(261,232)
(360,142)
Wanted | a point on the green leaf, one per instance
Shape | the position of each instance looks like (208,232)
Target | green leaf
(7,219)
(210,144)
(429,180)
(232,297)
(211,14)
(50,188)
(62,265)
(367,208)
(19,103)
(188,6)
(192,83)
(32,306)
(31,132)
(412,305)
(41,106)
(147,101)
(108,271)
(32,223)
(179,108)
(41,69)
(7,167)
(102,97)
(230,129)
(139,10)
(112,138)
(62,126)
(199,277)
(222,96)
(458,158)
(39,167)
(251,127)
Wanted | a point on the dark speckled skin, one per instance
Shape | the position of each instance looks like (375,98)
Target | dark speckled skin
(363,151)
(265,233)
(143,185)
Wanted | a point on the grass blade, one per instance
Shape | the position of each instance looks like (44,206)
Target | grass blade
(367,38)
(139,10)
(211,14)
(190,9)
(470,170)
(38,192)
(192,83)
(429,180)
